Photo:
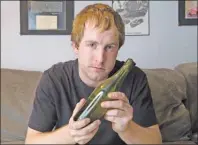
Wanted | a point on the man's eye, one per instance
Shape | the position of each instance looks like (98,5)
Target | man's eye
(109,47)
(93,45)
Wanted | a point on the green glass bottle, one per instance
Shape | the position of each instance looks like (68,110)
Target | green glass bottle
(92,108)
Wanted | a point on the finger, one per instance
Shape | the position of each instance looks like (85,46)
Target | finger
(115,112)
(79,124)
(89,128)
(79,105)
(118,104)
(119,96)
(113,119)
(84,139)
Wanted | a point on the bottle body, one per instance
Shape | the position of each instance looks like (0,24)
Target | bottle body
(92,108)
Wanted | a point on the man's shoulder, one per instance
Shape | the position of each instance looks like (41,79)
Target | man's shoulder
(59,68)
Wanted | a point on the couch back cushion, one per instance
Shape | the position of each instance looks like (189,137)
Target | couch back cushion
(189,71)
(17,90)
(168,89)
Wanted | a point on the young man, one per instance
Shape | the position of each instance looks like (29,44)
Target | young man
(97,35)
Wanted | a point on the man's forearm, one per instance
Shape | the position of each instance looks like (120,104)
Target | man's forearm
(136,134)
(59,136)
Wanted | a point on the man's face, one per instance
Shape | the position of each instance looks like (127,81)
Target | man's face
(97,53)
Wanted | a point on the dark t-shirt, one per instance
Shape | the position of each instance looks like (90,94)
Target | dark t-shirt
(61,88)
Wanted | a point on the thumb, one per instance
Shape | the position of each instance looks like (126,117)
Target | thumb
(79,105)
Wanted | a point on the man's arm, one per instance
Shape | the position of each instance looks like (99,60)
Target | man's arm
(120,113)
(59,136)
(135,134)
(143,128)
(80,132)
(43,117)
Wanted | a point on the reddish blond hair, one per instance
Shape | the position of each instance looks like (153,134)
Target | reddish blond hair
(102,16)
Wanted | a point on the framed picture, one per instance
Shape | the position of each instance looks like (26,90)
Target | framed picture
(46,17)
(188,12)
(135,15)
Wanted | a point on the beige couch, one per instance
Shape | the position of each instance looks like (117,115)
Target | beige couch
(174,92)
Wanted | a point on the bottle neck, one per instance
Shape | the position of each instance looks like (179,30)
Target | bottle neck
(117,79)
(121,74)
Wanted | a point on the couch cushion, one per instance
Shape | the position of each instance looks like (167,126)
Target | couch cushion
(189,71)
(168,91)
(17,89)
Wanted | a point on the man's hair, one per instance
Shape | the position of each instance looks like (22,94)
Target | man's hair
(102,16)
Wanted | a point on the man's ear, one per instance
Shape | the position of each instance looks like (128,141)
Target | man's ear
(75,47)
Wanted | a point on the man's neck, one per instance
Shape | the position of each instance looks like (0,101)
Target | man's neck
(89,82)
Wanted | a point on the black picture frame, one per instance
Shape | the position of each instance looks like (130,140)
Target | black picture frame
(182,16)
(68,12)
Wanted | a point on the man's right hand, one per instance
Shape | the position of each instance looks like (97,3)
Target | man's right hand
(81,131)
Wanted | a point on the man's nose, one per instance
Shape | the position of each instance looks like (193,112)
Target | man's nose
(100,55)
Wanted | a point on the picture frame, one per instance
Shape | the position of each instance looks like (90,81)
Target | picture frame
(187,11)
(46,17)
(135,15)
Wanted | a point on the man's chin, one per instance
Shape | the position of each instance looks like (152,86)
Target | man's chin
(97,78)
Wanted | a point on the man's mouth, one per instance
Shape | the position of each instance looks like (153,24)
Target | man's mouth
(97,68)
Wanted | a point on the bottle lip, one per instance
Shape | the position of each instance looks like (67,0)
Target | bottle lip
(129,63)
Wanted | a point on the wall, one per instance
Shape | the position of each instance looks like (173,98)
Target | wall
(167,45)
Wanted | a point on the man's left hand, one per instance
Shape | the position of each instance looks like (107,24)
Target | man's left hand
(120,112)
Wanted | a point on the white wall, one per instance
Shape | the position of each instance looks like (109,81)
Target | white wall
(167,45)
